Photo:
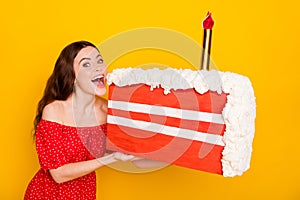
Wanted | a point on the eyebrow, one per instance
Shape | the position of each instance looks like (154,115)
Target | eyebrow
(82,59)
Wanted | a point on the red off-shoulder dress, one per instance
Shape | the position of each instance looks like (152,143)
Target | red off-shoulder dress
(57,145)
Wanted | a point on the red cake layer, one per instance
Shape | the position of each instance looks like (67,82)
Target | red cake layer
(152,133)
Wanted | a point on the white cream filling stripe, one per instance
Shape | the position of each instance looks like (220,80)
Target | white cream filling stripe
(167,111)
(166,130)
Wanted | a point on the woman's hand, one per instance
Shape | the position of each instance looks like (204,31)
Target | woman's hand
(123,157)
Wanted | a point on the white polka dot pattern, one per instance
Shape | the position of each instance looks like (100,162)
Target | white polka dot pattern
(58,144)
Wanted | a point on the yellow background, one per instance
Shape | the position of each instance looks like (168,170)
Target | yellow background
(257,38)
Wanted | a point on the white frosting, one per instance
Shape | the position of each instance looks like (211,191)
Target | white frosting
(239,112)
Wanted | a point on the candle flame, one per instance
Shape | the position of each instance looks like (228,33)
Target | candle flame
(208,22)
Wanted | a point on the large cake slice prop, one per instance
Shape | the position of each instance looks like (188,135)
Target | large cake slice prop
(202,120)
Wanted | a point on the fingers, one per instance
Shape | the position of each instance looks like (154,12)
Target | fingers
(137,158)
(123,157)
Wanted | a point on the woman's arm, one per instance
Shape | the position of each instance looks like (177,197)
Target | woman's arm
(72,171)
(75,170)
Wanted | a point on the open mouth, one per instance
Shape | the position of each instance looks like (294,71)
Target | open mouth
(99,80)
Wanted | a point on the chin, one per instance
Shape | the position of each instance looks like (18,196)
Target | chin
(100,92)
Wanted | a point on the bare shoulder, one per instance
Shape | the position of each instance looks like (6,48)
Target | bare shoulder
(104,105)
(52,111)
(102,112)
(101,104)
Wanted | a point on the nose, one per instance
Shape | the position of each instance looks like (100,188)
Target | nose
(101,67)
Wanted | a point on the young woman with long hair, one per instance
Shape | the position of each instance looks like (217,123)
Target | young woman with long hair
(70,127)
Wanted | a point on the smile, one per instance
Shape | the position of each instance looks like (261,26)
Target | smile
(99,80)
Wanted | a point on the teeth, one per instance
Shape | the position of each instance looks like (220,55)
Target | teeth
(97,77)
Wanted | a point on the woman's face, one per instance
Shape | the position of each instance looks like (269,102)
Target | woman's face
(90,72)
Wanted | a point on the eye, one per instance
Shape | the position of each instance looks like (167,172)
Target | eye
(100,61)
(86,64)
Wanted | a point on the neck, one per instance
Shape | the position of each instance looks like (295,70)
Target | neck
(84,103)
(84,108)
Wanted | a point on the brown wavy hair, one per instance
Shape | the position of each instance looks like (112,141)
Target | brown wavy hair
(61,82)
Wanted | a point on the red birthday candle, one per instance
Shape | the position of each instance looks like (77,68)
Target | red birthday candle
(207,24)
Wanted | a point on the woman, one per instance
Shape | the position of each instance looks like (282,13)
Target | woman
(70,127)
